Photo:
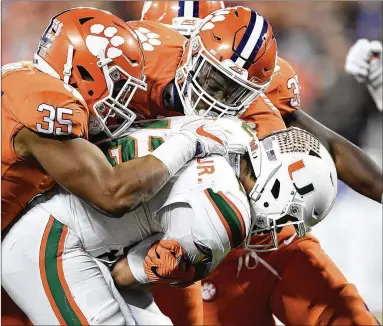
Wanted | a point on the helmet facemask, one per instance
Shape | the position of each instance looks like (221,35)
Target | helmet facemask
(208,87)
(112,110)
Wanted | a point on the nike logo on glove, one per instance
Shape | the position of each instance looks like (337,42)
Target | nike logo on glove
(154,270)
(202,132)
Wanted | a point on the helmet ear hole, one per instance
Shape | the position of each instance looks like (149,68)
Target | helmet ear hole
(85,75)
(84,20)
(275,189)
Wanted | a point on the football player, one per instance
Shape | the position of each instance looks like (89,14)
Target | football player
(86,70)
(364,62)
(48,266)
(282,96)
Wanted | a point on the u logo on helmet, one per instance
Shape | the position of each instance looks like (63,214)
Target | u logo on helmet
(253,148)
(298,165)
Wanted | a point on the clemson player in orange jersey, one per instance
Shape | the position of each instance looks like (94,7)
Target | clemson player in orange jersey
(85,72)
(281,97)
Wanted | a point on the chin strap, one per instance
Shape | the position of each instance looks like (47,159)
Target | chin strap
(103,64)
(246,259)
(67,72)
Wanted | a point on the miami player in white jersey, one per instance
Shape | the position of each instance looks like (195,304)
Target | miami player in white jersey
(53,253)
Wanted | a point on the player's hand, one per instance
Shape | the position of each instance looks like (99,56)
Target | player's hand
(360,59)
(166,262)
(221,136)
(364,62)
(238,134)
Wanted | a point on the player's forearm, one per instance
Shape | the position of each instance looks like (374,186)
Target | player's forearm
(136,182)
(354,167)
(357,170)
(82,169)
(122,275)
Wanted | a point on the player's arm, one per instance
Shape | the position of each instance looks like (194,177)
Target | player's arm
(364,62)
(82,168)
(122,274)
(354,167)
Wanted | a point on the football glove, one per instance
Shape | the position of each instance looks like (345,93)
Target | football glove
(364,62)
(221,136)
(166,262)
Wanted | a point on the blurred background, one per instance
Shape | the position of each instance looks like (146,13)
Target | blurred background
(314,37)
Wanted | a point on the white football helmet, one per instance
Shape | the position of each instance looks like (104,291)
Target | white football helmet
(296,184)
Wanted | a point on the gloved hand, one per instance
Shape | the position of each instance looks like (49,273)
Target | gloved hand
(364,62)
(219,136)
(166,262)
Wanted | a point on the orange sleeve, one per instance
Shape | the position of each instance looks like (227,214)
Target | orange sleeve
(185,308)
(265,115)
(53,113)
(322,297)
(284,91)
(161,62)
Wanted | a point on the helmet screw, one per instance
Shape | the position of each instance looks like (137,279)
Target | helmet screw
(195,45)
(292,193)
(91,93)
(266,204)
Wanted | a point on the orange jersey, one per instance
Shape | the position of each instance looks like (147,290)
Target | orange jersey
(163,49)
(284,90)
(311,290)
(41,103)
(281,98)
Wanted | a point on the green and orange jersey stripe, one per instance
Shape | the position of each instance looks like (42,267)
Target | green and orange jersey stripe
(230,216)
(52,275)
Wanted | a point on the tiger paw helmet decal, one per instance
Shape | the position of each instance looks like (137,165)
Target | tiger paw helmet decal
(105,38)
(148,39)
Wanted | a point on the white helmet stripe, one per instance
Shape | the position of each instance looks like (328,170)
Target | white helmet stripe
(252,41)
(189,5)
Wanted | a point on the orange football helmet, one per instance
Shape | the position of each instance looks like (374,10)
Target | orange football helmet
(100,56)
(182,16)
(227,63)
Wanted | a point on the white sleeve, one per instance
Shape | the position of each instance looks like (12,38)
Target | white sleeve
(177,220)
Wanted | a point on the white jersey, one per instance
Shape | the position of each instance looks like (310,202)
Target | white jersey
(203,206)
